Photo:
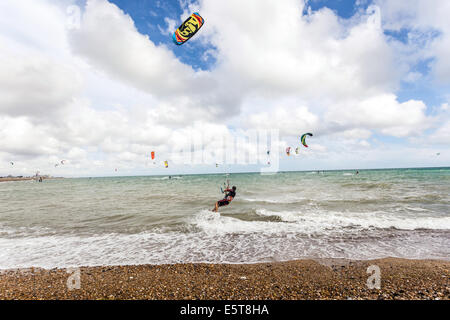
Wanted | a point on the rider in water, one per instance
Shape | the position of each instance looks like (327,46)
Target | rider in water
(229,196)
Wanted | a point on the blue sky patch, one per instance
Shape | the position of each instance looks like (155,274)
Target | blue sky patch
(343,8)
(149,17)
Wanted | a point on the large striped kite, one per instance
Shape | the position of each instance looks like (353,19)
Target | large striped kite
(188,28)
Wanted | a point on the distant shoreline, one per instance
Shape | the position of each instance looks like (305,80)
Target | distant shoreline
(361,170)
(174,174)
(7,179)
(16,179)
(299,279)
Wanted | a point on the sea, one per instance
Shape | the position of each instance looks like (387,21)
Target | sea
(274,217)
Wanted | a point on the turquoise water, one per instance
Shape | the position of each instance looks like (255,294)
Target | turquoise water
(292,215)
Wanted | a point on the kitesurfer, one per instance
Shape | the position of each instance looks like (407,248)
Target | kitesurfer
(229,196)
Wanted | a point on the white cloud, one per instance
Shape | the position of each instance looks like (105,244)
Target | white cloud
(109,40)
(421,17)
(442,134)
(20,137)
(35,86)
(290,121)
(311,55)
(356,134)
(171,25)
(383,113)
(412,77)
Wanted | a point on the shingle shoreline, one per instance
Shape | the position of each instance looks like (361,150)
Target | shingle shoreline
(300,279)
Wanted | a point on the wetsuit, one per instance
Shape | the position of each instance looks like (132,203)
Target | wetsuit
(230,194)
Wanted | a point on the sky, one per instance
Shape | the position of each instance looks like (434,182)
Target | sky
(100,84)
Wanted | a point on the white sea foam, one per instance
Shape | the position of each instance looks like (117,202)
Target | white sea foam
(270,200)
(213,246)
(328,219)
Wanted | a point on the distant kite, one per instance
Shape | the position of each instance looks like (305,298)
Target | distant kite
(288,151)
(297,150)
(12,163)
(166,164)
(153,155)
(188,28)
(303,138)
(63,161)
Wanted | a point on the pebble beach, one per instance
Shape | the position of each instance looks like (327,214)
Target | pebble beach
(300,279)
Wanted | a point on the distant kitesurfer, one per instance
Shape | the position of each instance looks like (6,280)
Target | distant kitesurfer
(229,196)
